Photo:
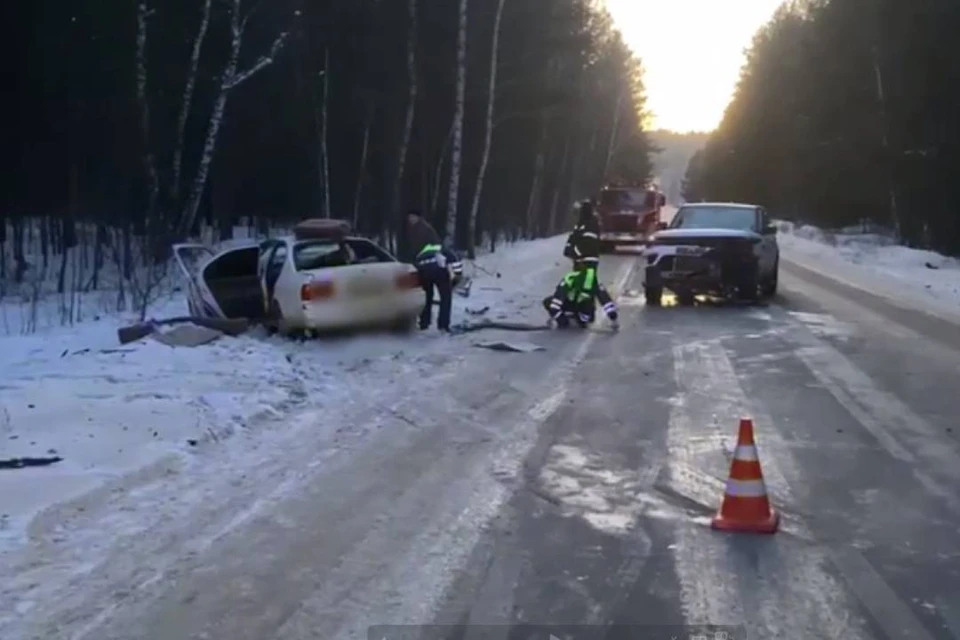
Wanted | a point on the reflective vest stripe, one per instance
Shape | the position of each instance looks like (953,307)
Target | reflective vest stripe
(589,280)
(436,248)
(589,234)
(746,488)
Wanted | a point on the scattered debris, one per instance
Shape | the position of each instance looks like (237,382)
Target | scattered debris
(463,289)
(477,312)
(186,335)
(467,327)
(20,463)
(230,327)
(515,347)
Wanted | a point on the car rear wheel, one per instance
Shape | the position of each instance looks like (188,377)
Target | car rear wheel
(404,326)
(274,321)
(653,296)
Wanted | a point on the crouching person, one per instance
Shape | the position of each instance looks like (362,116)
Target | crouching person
(574,300)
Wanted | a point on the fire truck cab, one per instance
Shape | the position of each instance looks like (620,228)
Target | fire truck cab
(629,214)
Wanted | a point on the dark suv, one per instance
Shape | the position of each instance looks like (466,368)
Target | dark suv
(724,249)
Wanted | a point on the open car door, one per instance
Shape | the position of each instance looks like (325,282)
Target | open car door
(191,258)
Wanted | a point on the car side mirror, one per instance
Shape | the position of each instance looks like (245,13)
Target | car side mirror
(661,226)
(770,230)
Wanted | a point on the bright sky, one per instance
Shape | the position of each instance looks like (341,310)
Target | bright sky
(692,51)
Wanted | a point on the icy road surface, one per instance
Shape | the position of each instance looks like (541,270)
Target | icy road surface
(572,485)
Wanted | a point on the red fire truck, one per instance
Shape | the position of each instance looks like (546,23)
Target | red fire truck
(628,214)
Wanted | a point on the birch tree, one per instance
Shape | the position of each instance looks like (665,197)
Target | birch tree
(459,107)
(487,131)
(411,107)
(231,78)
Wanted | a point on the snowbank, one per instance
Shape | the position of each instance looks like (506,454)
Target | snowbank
(118,414)
(875,261)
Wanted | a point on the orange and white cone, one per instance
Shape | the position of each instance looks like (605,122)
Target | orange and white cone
(746,506)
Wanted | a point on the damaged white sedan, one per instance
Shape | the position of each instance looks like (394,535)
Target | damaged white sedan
(321,278)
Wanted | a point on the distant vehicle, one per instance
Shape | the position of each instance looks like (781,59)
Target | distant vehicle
(320,278)
(628,215)
(724,249)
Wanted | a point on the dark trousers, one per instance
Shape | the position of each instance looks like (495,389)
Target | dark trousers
(570,312)
(434,276)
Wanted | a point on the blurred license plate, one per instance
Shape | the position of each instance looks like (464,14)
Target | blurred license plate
(687,263)
(367,287)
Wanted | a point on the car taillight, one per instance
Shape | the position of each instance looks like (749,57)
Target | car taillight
(408,281)
(319,290)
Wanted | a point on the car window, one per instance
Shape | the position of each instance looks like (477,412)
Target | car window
(278,258)
(367,252)
(739,218)
(321,254)
(764,218)
(235,263)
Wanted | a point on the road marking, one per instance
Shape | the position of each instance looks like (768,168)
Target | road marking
(895,617)
(729,579)
(904,434)
(835,377)
(950,614)
(493,605)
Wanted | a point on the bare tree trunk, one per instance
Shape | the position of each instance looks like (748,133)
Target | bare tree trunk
(187,100)
(487,134)
(534,199)
(614,132)
(412,89)
(362,173)
(324,155)
(435,200)
(552,224)
(149,160)
(229,79)
(885,142)
(459,106)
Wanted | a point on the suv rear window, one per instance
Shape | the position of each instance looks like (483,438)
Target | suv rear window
(700,217)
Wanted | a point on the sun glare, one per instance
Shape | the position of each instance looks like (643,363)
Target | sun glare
(692,51)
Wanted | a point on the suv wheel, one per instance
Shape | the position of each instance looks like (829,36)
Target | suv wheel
(770,286)
(748,288)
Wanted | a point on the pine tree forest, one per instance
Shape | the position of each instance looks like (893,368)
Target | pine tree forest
(846,114)
(139,123)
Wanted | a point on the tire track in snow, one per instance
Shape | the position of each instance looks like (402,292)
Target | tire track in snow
(783,590)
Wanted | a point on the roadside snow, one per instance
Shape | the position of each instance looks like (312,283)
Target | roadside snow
(116,413)
(873,261)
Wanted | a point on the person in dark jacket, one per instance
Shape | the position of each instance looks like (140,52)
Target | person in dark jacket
(574,297)
(431,260)
(583,243)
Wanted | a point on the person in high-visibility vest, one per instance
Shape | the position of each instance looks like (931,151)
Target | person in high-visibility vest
(573,299)
(433,263)
(583,243)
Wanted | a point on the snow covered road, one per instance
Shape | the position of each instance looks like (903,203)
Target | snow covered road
(439,483)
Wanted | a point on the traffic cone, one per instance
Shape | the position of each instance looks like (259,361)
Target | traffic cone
(746,507)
